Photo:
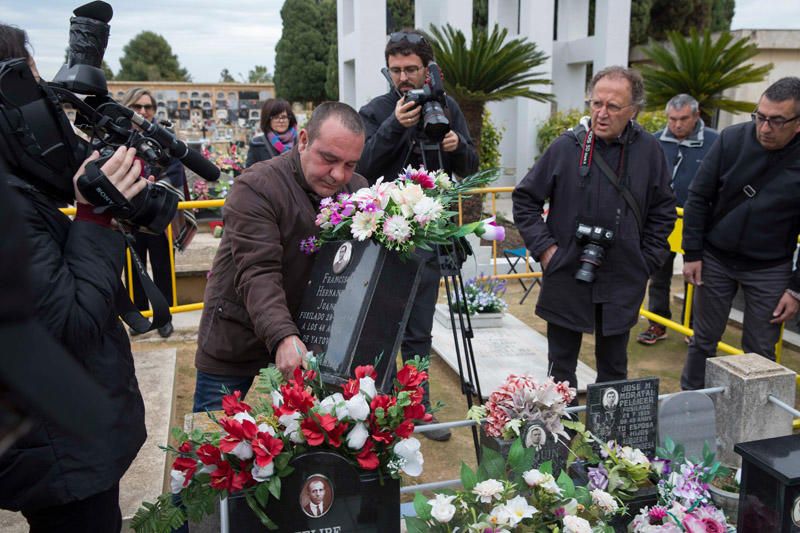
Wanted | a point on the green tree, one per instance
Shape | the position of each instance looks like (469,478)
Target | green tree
(640,21)
(149,57)
(259,74)
(302,52)
(480,15)
(399,15)
(668,15)
(702,67)
(332,73)
(491,136)
(225,76)
(722,14)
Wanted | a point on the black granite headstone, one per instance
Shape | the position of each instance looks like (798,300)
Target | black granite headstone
(356,307)
(326,494)
(625,411)
(535,436)
(769,495)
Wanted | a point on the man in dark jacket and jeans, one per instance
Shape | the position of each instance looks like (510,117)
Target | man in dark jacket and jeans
(394,140)
(740,229)
(576,175)
(685,141)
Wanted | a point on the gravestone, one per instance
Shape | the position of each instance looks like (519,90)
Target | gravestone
(769,497)
(688,418)
(535,436)
(625,411)
(326,494)
(355,308)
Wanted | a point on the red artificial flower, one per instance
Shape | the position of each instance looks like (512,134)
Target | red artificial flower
(310,375)
(223,477)
(414,412)
(266,448)
(242,479)
(295,398)
(367,458)
(411,378)
(382,435)
(351,388)
(316,426)
(405,429)
(185,447)
(188,466)
(381,401)
(231,404)
(237,432)
(416,396)
(423,179)
(334,435)
(366,371)
(209,454)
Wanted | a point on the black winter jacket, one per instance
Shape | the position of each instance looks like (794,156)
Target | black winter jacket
(386,150)
(75,270)
(260,149)
(621,279)
(761,231)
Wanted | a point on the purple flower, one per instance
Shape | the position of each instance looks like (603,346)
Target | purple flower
(560,512)
(336,218)
(370,207)
(598,477)
(348,209)
(325,202)
(309,246)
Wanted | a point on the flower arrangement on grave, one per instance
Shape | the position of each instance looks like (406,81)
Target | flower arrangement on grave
(218,190)
(230,162)
(413,211)
(521,399)
(253,443)
(483,295)
(504,496)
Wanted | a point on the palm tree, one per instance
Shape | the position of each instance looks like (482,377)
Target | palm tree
(489,70)
(702,67)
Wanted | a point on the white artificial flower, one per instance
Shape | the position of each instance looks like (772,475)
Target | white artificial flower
(442,179)
(241,417)
(408,450)
(357,407)
(367,386)
(357,436)
(176,481)
(364,225)
(442,510)
(243,451)
(333,404)
(262,474)
(605,501)
(290,422)
(427,210)
(576,524)
(534,478)
(489,489)
(277,398)
(407,197)
(501,516)
(520,509)
(396,228)
(266,428)
(633,455)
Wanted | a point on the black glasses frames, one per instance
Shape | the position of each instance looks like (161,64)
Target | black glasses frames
(772,122)
(411,38)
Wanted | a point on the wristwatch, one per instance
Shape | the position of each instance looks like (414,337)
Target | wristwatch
(793,294)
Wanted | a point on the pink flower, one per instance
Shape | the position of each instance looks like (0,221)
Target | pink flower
(490,231)
(420,177)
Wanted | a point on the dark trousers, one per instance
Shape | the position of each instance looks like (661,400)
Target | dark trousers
(158,249)
(99,513)
(417,338)
(563,347)
(208,390)
(658,292)
(712,304)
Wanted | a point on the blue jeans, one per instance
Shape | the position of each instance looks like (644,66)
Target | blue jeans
(208,390)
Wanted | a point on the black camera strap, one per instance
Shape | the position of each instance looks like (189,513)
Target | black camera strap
(586,140)
(125,307)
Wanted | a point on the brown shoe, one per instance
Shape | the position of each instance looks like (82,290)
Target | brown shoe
(653,334)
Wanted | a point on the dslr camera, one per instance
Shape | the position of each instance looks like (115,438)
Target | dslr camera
(595,240)
(432,99)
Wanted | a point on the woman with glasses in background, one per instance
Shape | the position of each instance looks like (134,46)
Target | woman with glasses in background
(279,132)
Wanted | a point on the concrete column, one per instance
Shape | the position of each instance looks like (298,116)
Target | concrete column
(612,26)
(743,411)
(362,37)
(457,13)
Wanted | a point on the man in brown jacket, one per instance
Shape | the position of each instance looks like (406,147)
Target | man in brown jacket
(259,274)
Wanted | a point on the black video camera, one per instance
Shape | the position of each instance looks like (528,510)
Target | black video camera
(432,99)
(595,240)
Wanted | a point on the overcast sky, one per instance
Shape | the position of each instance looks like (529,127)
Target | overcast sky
(208,36)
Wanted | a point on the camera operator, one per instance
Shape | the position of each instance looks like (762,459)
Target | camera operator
(611,211)
(60,482)
(156,246)
(395,139)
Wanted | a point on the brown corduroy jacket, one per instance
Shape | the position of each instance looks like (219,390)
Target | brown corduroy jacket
(259,274)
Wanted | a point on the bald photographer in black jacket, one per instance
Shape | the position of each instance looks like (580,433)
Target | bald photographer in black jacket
(396,139)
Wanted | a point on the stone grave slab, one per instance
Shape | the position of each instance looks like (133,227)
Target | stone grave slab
(625,411)
(688,418)
(535,436)
(514,348)
(355,308)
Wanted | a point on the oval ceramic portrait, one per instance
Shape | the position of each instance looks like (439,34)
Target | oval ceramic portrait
(342,257)
(316,496)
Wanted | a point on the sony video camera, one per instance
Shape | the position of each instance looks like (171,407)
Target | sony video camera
(432,99)
(595,240)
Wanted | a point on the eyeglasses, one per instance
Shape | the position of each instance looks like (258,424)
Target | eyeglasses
(410,71)
(613,109)
(140,107)
(412,38)
(772,122)
(280,117)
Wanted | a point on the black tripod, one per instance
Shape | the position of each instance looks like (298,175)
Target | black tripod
(451,259)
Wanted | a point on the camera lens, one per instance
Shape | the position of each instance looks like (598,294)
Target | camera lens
(434,121)
(591,258)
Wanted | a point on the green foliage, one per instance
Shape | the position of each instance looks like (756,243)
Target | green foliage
(259,74)
(490,143)
(157,517)
(301,55)
(399,15)
(480,15)
(702,67)
(332,72)
(655,18)
(640,21)
(226,77)
(722,15)
(652,121)
(149,57)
